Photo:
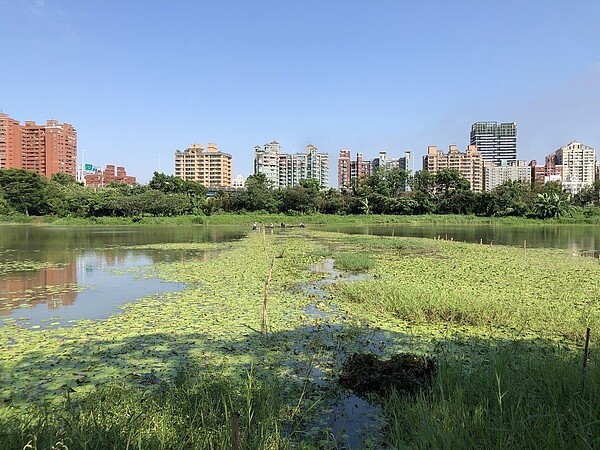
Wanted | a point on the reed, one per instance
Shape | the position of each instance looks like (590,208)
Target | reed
(518,397)
(194,411)
(541,291)
(353,262)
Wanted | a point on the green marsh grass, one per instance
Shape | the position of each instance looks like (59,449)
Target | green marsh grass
(535,291)
(247,219)
(193,412)
(506,326)
(520,396)
(353,262)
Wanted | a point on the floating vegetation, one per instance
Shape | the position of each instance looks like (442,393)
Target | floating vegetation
(537,292)
(467,305)
(24,266)
(182,246)
(48,294)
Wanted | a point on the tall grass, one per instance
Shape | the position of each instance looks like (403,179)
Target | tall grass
(516,397)
(194,412)
(353,262)
(535,290)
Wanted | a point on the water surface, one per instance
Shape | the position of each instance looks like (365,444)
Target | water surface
(52,276)
(579,238)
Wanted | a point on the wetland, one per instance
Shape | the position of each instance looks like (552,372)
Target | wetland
(176,366)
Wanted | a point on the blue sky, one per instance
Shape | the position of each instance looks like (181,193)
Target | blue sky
(140,79)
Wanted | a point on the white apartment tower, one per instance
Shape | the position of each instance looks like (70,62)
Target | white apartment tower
(578,163)
(288,170)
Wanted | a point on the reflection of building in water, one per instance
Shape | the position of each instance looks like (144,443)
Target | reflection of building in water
(115,259)
(59,286)
(54,286)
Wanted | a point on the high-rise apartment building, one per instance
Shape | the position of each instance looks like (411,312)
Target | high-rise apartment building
(209,167)
(349,171)
(578,163)
(344,169)
(266,161)
(385,162)
(468,164)
(495,142)
(549,172)
(288,170)
(517,170)
(45,149)
(10,143)
(360,168)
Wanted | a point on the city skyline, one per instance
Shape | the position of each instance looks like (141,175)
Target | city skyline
(140,81)
(34,147)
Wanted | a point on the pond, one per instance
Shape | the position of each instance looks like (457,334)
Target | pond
(584,239)
(52,276)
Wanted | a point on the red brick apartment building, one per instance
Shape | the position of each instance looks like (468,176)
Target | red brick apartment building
(109,175)
(45,149)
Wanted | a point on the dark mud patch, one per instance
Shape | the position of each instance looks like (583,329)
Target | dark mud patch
(365,373)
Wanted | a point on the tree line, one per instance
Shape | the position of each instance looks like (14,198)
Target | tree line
(385,192)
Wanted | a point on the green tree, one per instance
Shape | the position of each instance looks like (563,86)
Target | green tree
(194,191)
(5,207)
(552,205)
(123,188)
(336,202)
(423,184)
(379,192)
(305,198)
(167,184)
(453,193)
(589,195)
(71,199)
(512,198)
(258,195)
(24,190)
(62,179)
(105,202)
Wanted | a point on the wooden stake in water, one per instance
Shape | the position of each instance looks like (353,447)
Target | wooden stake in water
(235,431)
(266,297)
(586,350)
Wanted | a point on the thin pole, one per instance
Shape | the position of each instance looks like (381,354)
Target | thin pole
(266,297)
(235,431)
(586,350)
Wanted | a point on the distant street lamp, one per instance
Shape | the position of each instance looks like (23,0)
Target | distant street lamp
(81,171)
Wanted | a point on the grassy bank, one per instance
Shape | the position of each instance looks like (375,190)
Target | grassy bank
(264,219)
(505,326)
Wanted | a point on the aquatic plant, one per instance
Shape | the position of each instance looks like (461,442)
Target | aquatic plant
(504,324)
